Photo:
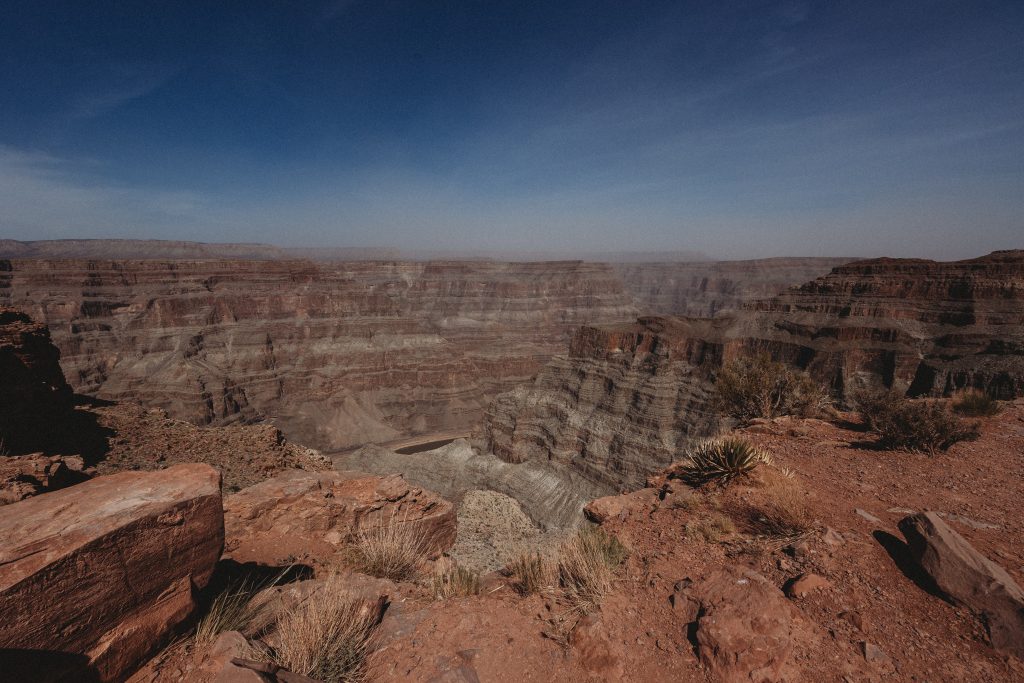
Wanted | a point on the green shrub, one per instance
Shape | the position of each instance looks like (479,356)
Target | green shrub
(757,387)
(912,425)
(720,460)
(975,403)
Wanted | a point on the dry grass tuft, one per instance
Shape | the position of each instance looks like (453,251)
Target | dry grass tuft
(710,528)
(720,460)
(453,581)
(531,573)
(231,610)
(327,636)
(976,403)
(587,564)
(783,514)
(393,550)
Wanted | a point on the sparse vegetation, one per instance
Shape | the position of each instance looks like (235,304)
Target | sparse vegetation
(913,425)
(976,403)
(327,636)
(720,460)
(784,513)
(757,387)
(452,581)
(531,573)
(710,528)
(586,566)
(392,550)
(231,610)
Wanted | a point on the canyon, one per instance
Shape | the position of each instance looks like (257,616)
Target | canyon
(702,592)
(337,354)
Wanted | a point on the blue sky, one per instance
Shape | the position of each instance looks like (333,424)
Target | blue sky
(741,129)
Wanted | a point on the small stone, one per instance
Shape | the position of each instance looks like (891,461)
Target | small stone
(859,620)
(806,584)
(868,516)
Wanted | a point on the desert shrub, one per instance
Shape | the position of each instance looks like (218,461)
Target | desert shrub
(531,573)
(452,581)
(782,514)
(586,565)
(904,424)
(392,550)
(327,636)
(757,387)
(719,460)
(711,528)
(975,403)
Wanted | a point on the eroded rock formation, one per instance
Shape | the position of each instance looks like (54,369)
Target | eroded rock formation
(336,354)
(94,577)
(704,289)
(34,398)
(625,398)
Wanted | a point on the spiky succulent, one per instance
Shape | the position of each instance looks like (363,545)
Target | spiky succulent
(721,460)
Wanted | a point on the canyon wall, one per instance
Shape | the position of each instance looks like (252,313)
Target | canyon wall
(627,397)
(337,355)
(704,289)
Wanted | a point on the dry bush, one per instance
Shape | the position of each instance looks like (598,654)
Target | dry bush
(783,513)
(231,610)
(531,573)
(327,636)
(393,550)
(904,424)
(710,529)
(720,460)
(758,387)
(586,565)
(452,581)
(976,403)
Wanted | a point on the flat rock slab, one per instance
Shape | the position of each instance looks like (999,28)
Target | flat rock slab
(968,578)
(301,516)
(93,577)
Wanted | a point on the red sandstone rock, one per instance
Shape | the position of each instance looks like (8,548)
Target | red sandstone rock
(303,516)
(805,584)
(596,652)
(745,628)
(969,578)
(22,476)
(601,510)
(102,571)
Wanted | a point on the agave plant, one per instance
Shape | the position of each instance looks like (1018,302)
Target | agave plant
(721,460)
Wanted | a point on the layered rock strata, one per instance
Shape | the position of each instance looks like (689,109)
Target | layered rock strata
(704,289)
(95,576)
(626,398)
(551,494)
(336,354)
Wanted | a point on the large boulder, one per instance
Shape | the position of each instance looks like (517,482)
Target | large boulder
(95,576)
(307,517)
(744,627)
(968,578)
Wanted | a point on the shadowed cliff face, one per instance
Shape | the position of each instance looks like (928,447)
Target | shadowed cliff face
(626,397)
(336,354)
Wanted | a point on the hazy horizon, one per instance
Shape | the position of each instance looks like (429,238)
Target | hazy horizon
(737,130)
